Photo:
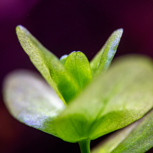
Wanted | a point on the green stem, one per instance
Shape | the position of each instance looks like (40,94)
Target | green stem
(85,146)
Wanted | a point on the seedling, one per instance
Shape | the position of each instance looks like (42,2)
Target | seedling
(84,101)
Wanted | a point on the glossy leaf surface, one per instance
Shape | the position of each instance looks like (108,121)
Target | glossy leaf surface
(136,138)
(31,100)
(101,62)
(78,65)
(110,102)
(48,65)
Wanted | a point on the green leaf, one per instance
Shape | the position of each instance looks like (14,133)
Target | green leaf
(31,100)
(48,65)
(63,59)
(78,65)
(103,59)
(112,101)
(136,138)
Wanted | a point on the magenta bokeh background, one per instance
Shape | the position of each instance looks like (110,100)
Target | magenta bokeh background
(64,26)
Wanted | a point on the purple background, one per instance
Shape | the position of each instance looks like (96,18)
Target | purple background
(63,26)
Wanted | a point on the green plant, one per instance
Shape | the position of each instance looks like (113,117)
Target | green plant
(85,102)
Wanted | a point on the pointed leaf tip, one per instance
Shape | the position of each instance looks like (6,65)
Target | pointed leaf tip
(63,59)
(20,28)
(48,65)
(120,31)
(101,62)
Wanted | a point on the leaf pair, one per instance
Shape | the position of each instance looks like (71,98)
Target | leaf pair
(70,75)
(111,101)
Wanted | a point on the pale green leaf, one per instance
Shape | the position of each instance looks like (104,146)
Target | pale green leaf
(48,65)
(78,65)
(110,102)
(103,58)
(136,138)
(32,101)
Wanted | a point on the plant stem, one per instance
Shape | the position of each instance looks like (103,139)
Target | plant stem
(85,146)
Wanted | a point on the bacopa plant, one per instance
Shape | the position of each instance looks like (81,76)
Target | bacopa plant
(85,100)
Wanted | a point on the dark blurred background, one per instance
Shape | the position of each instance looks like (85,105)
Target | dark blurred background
(63,26)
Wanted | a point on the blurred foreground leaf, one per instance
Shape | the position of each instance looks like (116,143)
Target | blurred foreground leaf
(136,138)
(31,100)
(112,101)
